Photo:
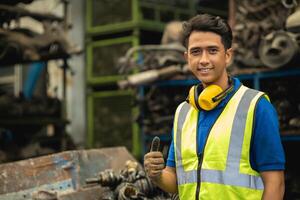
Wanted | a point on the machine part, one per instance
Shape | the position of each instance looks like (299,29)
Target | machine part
(153,57)
(19,180)
(278,48)
(295,122)
(150,76)
(24,45)
(255,19)
(145,186)
(293,21)
(133,184)
(128,191)
(17,12)
(289,3)
(106,178)
(172,33)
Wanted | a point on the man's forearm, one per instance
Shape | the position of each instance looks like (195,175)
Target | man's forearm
(167,180)
(273,185)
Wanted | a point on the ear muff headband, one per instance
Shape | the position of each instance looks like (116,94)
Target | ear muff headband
(223,94)
(196,89)
(209,98)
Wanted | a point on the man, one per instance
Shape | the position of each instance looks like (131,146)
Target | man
(226,142)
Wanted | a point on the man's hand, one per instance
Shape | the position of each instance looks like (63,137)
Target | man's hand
(154,164)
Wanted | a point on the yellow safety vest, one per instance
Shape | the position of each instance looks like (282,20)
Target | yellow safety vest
(224,170)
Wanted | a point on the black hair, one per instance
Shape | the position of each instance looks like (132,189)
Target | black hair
(208,23)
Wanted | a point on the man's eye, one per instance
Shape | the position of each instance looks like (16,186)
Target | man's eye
(213,51)
(195,52)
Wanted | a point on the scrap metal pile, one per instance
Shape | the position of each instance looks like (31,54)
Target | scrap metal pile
(282,95)
(130,183)
(21,45)
(266,36)
(32,124)
(17,107)
(163,61)
(96,174)
(267,33)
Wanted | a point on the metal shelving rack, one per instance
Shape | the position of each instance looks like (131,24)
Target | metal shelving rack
(113,27)
(255,78)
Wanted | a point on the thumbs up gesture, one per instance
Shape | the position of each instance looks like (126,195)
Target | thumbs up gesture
(153,161)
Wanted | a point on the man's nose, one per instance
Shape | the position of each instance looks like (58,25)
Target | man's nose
(204,59)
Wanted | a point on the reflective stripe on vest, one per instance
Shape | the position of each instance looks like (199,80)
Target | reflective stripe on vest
(231,175)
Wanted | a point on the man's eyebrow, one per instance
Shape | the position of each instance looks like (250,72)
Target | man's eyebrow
(212,47)
(195,48)
(208,47)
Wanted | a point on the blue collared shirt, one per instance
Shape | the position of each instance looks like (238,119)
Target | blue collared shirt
(266,151)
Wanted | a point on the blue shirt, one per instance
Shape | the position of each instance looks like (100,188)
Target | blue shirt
(266,151)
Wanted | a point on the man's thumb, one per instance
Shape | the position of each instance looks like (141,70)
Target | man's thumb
(155,144)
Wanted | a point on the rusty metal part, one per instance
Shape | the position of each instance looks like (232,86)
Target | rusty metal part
(19,180)
(132,184)
(278,48)
(13,12)
(128,191)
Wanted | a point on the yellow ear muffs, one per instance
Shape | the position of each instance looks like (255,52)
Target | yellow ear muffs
(206,98)
(209,97)
(193,97)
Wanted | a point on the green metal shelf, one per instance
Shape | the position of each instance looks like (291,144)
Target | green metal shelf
(136,15)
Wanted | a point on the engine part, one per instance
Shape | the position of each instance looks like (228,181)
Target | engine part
(289,3)
(293,21)
(278,48)
(133,184)
(255,19)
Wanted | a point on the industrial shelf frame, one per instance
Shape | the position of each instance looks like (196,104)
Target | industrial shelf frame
(136,146)
(255,77)
(103,79)
(137,19)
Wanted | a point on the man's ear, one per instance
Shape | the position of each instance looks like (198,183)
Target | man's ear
(185,54)
(229,55)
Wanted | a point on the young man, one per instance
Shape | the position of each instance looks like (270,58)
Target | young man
(226,142)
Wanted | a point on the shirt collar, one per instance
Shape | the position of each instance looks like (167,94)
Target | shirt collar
(236,85)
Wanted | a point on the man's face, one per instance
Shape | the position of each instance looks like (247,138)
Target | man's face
(207,57)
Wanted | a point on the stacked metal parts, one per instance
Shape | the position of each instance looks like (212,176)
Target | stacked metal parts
(31,121)
(266,33)
(155,63)
(19,44)
(130,183)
